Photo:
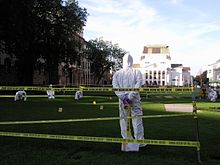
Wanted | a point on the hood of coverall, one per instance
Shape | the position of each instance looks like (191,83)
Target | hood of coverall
(127,61)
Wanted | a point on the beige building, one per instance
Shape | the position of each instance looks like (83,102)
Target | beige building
(157,70)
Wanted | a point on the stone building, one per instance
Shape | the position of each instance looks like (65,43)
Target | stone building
(78,73)
(73,75)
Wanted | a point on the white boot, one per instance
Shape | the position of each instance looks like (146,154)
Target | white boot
(129,147)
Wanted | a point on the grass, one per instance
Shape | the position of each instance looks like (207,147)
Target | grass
(29,151)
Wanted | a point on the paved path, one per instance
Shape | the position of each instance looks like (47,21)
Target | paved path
(179,107)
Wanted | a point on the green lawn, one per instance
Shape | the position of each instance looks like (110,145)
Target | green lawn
(28,151)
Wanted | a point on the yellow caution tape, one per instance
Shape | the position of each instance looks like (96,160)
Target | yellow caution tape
(102,89)
(90,119)
(37,88)
(128,130)
(105,139)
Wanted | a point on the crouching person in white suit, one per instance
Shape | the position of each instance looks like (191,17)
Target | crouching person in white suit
(51,93)
(20,95)
(78,95)
(129,78)
(212,95)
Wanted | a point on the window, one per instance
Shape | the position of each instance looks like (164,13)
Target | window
(142,57)
(159,75)
(146,75)
(155,74)
(163,75)
(156,50)
(150,74)
(145,50)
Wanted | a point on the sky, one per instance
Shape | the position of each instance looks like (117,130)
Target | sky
(191,28)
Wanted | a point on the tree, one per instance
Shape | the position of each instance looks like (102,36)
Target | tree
(202,78)
(17,35)
(104,56)
(33,29)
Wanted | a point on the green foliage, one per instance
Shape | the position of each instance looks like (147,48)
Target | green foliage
(104,56)
(202,78)
(33,29)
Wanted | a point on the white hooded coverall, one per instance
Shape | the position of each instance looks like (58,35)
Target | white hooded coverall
(212,95)
(50,93)
(129,78)
(20,95)
(78,95)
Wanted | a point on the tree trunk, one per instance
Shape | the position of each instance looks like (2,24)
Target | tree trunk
(53,74)
(26,75)
(100,76)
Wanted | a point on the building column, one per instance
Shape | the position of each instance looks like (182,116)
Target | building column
(160,78)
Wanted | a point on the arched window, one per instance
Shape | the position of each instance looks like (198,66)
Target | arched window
(155,74)
(146,75)
(159,75)
(150,74)
(163,75)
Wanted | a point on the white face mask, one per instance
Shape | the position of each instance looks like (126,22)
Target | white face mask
(127,61)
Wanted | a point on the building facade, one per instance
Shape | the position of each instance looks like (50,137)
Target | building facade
(180,76)
(72,75)
(75,74)
(213,72)
(8,71)
(157,69)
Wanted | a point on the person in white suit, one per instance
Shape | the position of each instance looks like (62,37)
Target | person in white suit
(127,77)
(78,95)
(20,95)
(51,93)
(212,95)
